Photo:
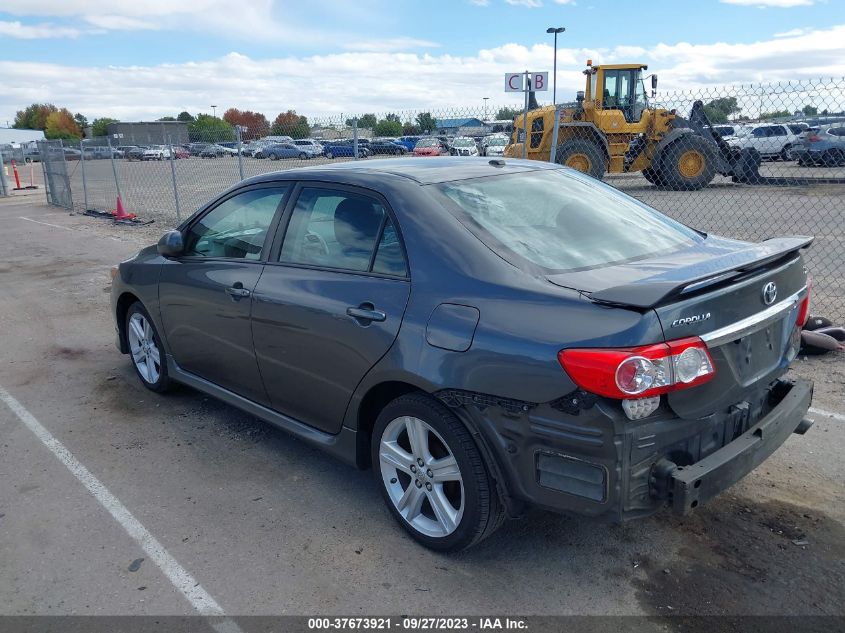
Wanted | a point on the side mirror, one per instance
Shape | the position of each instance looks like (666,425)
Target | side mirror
(653,85)
(170,244)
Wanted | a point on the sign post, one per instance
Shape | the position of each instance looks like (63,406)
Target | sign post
(526,82)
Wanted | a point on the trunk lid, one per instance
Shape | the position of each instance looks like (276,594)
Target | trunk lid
(740,298)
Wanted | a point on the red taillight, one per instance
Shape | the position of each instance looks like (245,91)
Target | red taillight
(804,306)
(813,138)
(639,372)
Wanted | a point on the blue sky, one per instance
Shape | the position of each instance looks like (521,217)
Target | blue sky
(147,58)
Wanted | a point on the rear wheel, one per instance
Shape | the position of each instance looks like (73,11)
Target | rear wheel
(652,175)
(329,155)
(585,156)
(786,153)
(833,158)
(687,164)
(302,155)
(272,156)
(432,475)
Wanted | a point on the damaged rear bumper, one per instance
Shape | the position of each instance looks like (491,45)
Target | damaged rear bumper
(588,458)
(699,482)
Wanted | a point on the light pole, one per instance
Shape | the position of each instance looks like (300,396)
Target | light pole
(214,111)
(485,107)
(555,30)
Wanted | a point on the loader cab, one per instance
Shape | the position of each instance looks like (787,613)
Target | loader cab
(618,87)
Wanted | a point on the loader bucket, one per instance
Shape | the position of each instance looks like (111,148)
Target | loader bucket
(745,166)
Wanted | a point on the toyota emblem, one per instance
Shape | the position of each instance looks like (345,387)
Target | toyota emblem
(770,293)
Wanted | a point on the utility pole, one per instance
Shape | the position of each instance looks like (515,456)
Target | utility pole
(485,107)
(214,111)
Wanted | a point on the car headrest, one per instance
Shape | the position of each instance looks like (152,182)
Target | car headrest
(356,223)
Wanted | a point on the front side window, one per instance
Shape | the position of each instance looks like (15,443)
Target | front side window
(236,228)
(338,229)
(560,221)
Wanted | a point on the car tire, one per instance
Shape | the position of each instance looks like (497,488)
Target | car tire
(272,156)
(454,503)
(583,155)
(786,153)
(329,155)
(302,155)
(144,348)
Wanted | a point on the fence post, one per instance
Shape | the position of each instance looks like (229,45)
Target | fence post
(43,150)
(4,188)
(240,148)
(553,152)
(84,181)
(525,118)
(114,169)
(355,137)
(175,188)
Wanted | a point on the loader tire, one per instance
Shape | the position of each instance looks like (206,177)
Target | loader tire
(585,156)
(687,164)
(652,175)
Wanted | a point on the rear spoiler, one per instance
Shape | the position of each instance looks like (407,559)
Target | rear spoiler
(647,293)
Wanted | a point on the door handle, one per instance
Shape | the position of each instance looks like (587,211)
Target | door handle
(366,312)
(237,291)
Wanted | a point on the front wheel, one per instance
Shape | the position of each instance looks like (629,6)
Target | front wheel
(432,475)
(272,157)
(145,349)
(302,155)
(583,155)
(687,164)
(329,155)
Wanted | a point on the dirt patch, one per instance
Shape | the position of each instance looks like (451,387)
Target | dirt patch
(69,353)
(741,557)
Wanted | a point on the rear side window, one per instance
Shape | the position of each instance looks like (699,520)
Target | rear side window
(837,131)
(348,231)
(559,220)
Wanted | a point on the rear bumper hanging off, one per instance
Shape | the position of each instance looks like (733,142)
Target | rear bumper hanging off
(699,482)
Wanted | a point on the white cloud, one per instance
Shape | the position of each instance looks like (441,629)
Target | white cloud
(119,23)
(793,32)
(570,2)
(21,31)
(377,45)
(480,3)
(770,3)
(385,81)
(528,4)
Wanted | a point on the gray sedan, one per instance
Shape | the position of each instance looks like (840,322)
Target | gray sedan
(486,335)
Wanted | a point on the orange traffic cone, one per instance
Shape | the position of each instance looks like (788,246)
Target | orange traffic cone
(120,214)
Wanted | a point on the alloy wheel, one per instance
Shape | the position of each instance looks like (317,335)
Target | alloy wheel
(142,346)
(421,476)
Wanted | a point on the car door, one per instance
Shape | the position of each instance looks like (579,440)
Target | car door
(330,305)
(205,295)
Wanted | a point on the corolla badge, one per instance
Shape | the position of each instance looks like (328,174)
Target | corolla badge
(696,318)
(770,293)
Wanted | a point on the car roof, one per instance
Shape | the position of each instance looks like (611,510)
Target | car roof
(428,171)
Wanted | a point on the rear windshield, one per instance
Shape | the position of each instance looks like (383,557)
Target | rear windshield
(561,221)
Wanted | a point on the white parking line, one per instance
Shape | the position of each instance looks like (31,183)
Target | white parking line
(830,414)
(178,576)
(56,226)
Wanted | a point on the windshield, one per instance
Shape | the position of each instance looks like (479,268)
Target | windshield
(497,141)
(561,221)
(463,142)
(427,142)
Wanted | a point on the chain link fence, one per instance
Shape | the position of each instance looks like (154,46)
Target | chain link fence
(744,162)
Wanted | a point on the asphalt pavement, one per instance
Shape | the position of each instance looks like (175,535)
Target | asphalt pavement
(253,521)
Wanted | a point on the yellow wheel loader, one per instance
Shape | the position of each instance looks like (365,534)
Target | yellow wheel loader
(612,128)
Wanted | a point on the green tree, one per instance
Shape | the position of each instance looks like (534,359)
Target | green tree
(411,129)
(100,127)
(367,121)
(60,124)
(34,117)
(426,122)
(291,124)
(167,118)
(388,127)
(718,110)
(810,110)
(210,129)
(81,120)
(187,117)
(776,114)
(507,113)
(392,117)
